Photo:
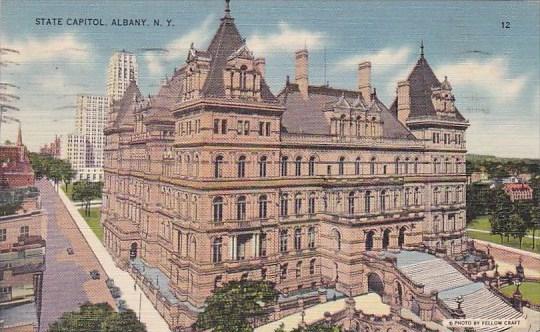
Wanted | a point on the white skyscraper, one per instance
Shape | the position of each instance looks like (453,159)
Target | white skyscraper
(122,69)
(85,146)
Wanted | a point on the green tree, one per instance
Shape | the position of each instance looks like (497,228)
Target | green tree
(97,318)
(86,191)
(500,218)
(237,306)
(535,222)
(518,227)
(126,321)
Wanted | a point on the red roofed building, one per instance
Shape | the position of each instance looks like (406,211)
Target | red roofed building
(518,191)
(15,168)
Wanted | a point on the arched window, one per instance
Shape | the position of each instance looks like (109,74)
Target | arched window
(195,208)
(401,237)
(383,198)
(386,239)
(298,166)
(312,266)
(406,165)
(459,194)
(436,196)
(243,78)
(311,166)
(407,197)
(416,196)
(447,195)
(357,166)
(284,205)
(435,166)
(311,237)
(216,250)
(311,203)
(372,166)
(415,167)
(351,203)
(241,208)
(283,239)
(193,247)
(298,204)
(367,201)
(336,235)
(262,166)
(263,207)
(217,207)
(297,239)
(397,166)
(218,167)
(284,161)
(242,166)
(369,240)
(341,166)
(283,268)
(188,165)
(447,166)
(299,269)
(436,224)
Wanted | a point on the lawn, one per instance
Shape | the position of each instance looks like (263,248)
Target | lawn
(514,242)
(93,221)
(481,223)
(529,290)
(69,192)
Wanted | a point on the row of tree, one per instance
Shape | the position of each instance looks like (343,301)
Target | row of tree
(55,169)
(514,219)
(86,191)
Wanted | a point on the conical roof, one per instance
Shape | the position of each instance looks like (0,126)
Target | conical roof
(126,105)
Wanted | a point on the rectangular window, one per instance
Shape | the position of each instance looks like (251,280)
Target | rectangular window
(240,127)
(267,129)
(216,126)
(261,128)
(3,235)
(224,127)
(25,231)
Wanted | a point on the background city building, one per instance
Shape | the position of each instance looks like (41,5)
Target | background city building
(53,149)
(22,246)
(122,70)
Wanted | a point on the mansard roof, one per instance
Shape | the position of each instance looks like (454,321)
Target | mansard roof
(126,105)
(225,43)
(307,115)
(422,80)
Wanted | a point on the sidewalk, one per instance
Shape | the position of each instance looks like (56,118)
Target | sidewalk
(148,314)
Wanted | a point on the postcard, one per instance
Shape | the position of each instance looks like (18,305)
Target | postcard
(269,166)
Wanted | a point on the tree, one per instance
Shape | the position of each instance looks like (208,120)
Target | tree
(535,222)
(320,327)
(97,318)
(125,321)
(518,227)
(85,191)
(500,218)
(237,306)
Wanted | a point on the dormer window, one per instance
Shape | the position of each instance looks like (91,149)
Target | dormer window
(243,78)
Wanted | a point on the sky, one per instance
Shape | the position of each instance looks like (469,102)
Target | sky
(494,71)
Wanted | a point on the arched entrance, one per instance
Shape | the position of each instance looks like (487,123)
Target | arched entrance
(133,250)
(386,239)
(375,284)
(369,240)
(401,237)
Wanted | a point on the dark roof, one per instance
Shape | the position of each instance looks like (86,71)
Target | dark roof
(127,104)
(226,41)
(421,81)
(306,115)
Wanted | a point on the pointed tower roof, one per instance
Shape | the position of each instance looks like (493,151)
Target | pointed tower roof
(19,136)
(126,105)
(225,42)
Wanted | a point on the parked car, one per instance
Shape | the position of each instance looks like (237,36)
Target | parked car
(115,292)
(70,251)
(95,274)
(109,282)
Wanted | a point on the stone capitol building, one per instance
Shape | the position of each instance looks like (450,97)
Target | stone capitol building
(216,178)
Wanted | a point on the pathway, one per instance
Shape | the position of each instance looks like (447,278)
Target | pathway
(134,298)
(66,281)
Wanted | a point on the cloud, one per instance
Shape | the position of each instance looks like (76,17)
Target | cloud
(62,47)
(381,61)
(156,59)
(286,39)
(492,77)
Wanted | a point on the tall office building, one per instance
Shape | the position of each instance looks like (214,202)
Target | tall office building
(85,146)
(122,69)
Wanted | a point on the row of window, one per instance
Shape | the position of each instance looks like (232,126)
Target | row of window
(446,138)
(242,127)
(24,232)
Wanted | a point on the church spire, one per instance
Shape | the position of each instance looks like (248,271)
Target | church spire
(19,136)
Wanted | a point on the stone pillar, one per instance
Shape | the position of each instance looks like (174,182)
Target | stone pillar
(364,80)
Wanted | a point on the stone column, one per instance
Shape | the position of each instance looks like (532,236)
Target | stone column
(255,241)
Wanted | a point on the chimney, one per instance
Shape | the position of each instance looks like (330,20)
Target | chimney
(260,66)
(301,71)
(364,79)
(403,101)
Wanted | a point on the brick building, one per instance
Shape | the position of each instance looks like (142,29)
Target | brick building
(22,246)
(215,178)
(518,191)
